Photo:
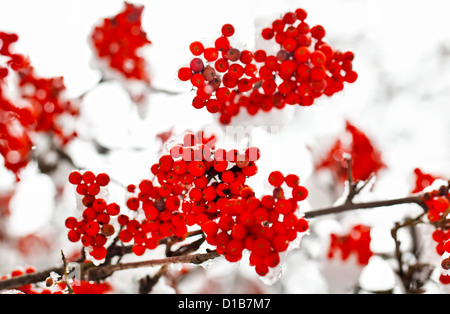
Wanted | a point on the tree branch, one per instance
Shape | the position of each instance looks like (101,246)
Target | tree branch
(415,199)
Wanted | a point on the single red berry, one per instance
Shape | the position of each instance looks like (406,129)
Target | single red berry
(73,235)
(299,193)
(222,43)
(197,80)
(196,65)
(301,14)
(280,243)
(196,48)
(246,56)
(82,189)
(98,252)
(260,55)
(318,58)
(123,220)
(75,177)
(89,214)
(88,177)
(70,222)
(302,54)
(261,246)
(211,54)
(102,179)
(318,32)
(99,205)
(184,74)
(267,33)
(227,30)
(292,180)
(276,178)
(92,228)
(93,189)
(103,218)
(87,240)
(108,230)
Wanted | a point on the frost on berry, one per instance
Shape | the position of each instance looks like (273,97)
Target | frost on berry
(422,180)
(303,68)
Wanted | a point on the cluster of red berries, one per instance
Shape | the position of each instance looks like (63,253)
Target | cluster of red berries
(366,159)
(118,40)
(197,184)
(263,226)
(441,235)
(41,107)
(227,79)
(160,205)
(94,227)
(308,66)
(357,241)
(79,287)
(422,180)
(438,208)
(438,204)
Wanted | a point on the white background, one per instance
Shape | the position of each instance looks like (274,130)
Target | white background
(401,99)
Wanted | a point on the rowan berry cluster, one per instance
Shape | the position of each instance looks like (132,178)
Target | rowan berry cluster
(438,209)
(438,212)
(94,227)
(118,40)
(160,205)
(437,202)
(227,79)
(366,159)
(42,105)
(263,226)
(356,242)
(422,180)
(196,184)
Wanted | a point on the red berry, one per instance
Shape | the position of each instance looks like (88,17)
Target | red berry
(92,228)
(267,33)
(196,48)
(292,180)
(299,193)
(276,178)
(302,225)
(280,243)
(73,235)
(102,179)
(318,58)
(211,54)
(261,247)
(88,177)
(98,252)
(75,177)
(227,30)
(318,32)
(113,209)
(184,74)
(71,223)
